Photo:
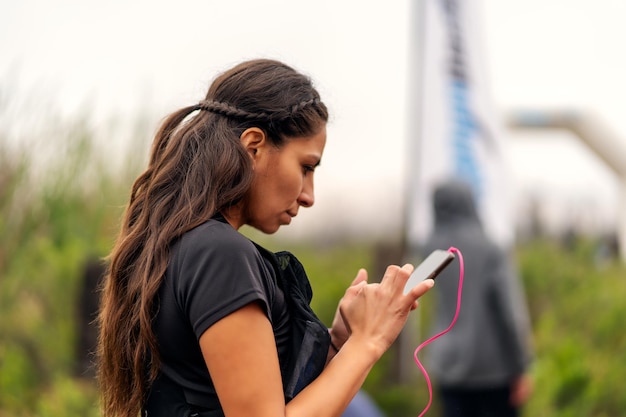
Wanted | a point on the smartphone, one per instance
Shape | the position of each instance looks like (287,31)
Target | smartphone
(429,268)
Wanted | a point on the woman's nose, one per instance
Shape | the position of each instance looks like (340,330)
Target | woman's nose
(307,197)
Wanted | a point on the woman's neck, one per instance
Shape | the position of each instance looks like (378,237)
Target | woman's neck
(234,216)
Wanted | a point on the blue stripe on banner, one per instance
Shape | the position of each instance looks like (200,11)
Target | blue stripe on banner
(464,133)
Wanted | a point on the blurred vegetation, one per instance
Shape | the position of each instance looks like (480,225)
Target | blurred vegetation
(55,217)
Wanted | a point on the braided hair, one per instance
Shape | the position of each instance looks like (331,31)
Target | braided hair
(197,168)
(231,111)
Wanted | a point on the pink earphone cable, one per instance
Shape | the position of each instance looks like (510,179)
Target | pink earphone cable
(428,341)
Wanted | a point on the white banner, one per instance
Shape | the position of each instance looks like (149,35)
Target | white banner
(455,131)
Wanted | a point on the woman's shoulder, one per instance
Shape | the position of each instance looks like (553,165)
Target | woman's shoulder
(216,246)
(216,249)
(216,237)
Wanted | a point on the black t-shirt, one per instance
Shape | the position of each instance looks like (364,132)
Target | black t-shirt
(213,271)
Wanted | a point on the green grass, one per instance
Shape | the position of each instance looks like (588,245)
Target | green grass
(578,311)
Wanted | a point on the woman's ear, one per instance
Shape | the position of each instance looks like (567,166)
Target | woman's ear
(253,139)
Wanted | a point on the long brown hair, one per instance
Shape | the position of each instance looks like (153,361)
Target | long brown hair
(197,168)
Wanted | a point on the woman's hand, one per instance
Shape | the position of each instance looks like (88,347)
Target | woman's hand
(374,314)
(339,331)
(370,318)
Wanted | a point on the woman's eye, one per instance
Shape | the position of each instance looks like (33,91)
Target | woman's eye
(308,168)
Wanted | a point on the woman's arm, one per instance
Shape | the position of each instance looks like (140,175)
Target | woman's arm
(241,355)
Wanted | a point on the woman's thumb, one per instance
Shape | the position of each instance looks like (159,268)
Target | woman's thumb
(361,276)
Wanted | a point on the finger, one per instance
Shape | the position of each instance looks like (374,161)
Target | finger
(361,276)
(396,277)
(353,290)
(357,283)
(405,273)
(390,273)
(421,288)
(409,268)
(360,285)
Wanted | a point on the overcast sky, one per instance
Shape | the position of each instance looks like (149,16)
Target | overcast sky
(124,57)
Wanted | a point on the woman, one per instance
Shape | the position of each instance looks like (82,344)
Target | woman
(198,320)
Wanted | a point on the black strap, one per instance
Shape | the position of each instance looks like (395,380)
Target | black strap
(168,399)
(310,339)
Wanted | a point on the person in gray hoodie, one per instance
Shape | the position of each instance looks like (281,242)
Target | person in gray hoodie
(480,368)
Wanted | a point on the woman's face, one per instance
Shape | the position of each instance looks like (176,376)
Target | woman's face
(283,181)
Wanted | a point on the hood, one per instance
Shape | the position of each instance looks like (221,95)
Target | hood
(453,203)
